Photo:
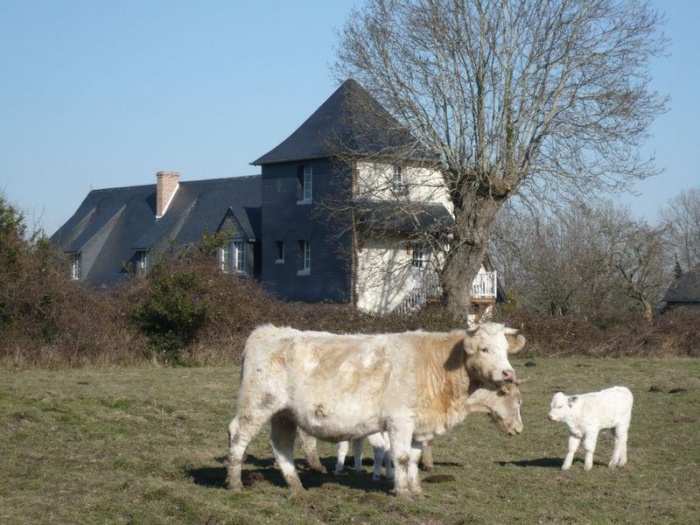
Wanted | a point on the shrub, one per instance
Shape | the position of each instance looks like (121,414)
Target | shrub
(174,310)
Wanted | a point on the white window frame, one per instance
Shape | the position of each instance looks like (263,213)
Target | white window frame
(307,178)
(233,257)
(305,249)
(75,267)
(141,267)
(397,181)
(420,256)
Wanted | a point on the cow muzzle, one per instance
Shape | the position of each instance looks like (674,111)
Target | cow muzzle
(508,375)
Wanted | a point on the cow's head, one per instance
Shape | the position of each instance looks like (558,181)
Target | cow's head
(504,409)
(560,406)
(487,347)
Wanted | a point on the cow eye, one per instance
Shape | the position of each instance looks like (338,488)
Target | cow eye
(485,350)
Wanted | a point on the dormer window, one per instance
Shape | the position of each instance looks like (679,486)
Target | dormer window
(141,267)
(75,267)
(233,257)
(305,185)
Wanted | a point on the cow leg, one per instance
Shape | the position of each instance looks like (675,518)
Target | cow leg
(427,457)
(589,443)
(619,457)
(282,436)
(308,445)
(342,453)
(379,449)
(574,442)
(357,445)
(413,475)
(400,440)
(241,431)
(388,464)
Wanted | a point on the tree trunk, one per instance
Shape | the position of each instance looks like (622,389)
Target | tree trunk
(468,249)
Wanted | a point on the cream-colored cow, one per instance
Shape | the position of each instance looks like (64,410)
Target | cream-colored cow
(412,385)
(501,403)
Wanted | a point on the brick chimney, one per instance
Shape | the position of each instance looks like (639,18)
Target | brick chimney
(165,190)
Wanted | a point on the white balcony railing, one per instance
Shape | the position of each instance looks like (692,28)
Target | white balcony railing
(484,286)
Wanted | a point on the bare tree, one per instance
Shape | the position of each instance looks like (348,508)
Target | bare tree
(682,218)
(557,263)
(583,260)
(541,99)
(639,257)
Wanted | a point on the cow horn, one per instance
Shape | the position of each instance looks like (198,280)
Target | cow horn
(518,382)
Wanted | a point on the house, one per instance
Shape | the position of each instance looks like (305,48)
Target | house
(349,208)
(118,231)
(685,292)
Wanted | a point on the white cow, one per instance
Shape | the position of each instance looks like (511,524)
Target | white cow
(413,385)
(586,415)
(502,404)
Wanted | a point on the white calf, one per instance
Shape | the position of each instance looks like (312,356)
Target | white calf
(586,415)
(382,454)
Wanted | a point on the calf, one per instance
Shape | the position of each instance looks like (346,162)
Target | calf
(587,414)
(382,455)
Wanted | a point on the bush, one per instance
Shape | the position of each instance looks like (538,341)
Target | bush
(186,311)
(672,334)
(174,310)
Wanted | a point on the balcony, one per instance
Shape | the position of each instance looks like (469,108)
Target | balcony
(484,286)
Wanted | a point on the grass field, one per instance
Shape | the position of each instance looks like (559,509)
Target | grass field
(148,446)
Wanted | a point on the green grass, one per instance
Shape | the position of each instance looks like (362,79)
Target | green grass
(148,445)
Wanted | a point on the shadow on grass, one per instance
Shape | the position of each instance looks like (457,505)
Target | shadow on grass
(540,462)
(265,471)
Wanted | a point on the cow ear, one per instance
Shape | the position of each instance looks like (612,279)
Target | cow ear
(506,389)
(572,400)
(515,339)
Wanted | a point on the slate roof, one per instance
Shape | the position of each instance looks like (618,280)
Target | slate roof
(402,217)
(686,289)
(351,121)
(112,224)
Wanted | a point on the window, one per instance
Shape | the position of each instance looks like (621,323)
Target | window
(233,257)
(75,273)
(141,267)
(420,256)
(305,185)
(397,179)
(304,258)
(279,250)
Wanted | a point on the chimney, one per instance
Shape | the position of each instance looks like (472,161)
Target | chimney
(166,188)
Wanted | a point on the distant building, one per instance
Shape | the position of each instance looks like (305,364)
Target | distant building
(685,292)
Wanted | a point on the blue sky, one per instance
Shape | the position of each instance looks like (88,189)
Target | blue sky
(102,93)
